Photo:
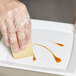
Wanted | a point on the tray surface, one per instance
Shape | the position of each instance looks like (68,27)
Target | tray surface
(52,40)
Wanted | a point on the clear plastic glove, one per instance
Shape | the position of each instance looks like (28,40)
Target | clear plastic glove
(14,24)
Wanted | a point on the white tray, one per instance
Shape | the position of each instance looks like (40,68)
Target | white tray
(42,31)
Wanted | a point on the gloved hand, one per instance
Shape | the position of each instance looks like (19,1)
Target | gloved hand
(15,24)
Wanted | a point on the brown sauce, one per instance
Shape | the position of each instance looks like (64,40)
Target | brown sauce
(56,58)
(34,58)
(57,43)
(60,44)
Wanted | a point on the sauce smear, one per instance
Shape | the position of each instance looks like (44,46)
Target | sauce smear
(56,58)
(34,58)
(57,43)
(60,44)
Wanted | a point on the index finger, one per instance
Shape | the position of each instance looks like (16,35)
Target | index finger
(12,34)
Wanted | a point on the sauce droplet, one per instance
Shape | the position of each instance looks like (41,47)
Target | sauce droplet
(57,43)
(34,58)
(56,58)
(60,44)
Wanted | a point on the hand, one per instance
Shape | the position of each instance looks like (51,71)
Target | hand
(14,24)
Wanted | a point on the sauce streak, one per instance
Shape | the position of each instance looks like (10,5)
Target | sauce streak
(56,58)
(34,58)
(57,43)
